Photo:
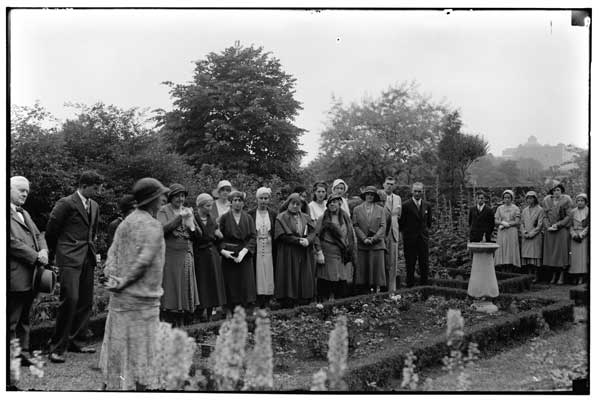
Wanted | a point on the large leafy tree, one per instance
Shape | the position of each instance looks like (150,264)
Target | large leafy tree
(393,134)
(456,152)
(237,114)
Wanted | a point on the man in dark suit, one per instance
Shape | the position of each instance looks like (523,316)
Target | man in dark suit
(415,221)
(481,220)
(70,234)
(27,248)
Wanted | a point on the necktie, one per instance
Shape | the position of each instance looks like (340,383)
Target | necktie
(20,214)
(19,210)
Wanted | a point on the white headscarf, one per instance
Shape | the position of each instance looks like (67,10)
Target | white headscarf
(263,190)
(339,181)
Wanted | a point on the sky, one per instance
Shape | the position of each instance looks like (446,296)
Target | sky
(511,73)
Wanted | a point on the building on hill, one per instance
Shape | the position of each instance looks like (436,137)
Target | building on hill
(547,155)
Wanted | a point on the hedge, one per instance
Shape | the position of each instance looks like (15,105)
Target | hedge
(580,295)
(507,282)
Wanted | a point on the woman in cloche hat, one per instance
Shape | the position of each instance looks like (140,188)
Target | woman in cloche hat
(508,220)
(134,267)
(556,207)
(532,222)
(580,246)
(369,221)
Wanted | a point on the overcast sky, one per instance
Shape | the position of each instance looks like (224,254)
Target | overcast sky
(511,73)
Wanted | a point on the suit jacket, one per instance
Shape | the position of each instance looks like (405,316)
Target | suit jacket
(394,228)
(71,232)
(415,223)
(481,222)
(373,227)
(25,242)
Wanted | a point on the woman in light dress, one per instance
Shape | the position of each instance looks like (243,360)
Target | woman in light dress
(580,229)
(532,222)
(317,206)
(508,220)
(222,204)
(264,219)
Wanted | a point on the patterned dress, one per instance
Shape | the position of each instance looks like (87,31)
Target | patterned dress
(580,224)
(179,279)
(128,348)
(532,222)
(265,284)
(508,238)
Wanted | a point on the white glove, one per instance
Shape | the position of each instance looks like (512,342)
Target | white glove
(241,255)
(304,242)
(226,254)
(320,257)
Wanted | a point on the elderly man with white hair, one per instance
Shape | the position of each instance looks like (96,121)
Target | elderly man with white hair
(27,248)
(415,221)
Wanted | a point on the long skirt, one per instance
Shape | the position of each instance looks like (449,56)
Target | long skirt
(209,277)
(508,252)
(179,281)
(294,272)
(334,268)
(531,250)
(556,248)
(240,282)
(580,263)
(265,284)
(370,268)
(128,348)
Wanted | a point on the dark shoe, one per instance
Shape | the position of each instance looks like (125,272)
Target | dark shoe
(56,358)
(25,361)
(81,349)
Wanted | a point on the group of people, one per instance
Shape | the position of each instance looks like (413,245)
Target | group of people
(547,236)
(170,258)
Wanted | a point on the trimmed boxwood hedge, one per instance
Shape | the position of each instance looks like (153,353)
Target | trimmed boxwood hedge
(581,295)
(507,282)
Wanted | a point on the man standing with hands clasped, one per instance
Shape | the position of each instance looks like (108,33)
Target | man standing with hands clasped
(27,248)
(71,233)
(481,220)
(415,221)
(393,206)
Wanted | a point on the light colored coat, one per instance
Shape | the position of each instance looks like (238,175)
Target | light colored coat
(25,242)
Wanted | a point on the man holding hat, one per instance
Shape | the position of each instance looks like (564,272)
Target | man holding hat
(415,222)
(27,248)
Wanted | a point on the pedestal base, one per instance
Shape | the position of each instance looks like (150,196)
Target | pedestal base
(485,307)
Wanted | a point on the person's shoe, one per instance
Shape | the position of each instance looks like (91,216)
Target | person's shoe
(25,361)
(81,349)
(560,280)
(57,358)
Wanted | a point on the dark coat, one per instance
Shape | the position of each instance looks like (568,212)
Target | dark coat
(373,227)
(25,242)
(481,223)
(415,223)
(71,233)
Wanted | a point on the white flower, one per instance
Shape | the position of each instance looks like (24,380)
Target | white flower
(319,306)
(396,297)
(365,305)
(359,321)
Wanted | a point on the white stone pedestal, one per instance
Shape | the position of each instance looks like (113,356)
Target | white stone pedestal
(483,282)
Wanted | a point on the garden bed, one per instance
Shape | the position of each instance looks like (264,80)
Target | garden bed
(381,331)
(507,282)
(580,295)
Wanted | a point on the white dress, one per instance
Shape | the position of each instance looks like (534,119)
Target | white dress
(316,210)
(265,285)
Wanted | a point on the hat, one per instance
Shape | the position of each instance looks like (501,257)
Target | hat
(44,280)
(512,195)
(235,194)
(331,198)
(582,195)
(292,197)
(531,193)
(203,199)
(126,203)
(339,181)
(148,189)
(263,190)
(372,190)
(552,184)
(175,189)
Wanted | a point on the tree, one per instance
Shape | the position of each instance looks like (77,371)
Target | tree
(456,152)
(393,134)
(237,114)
